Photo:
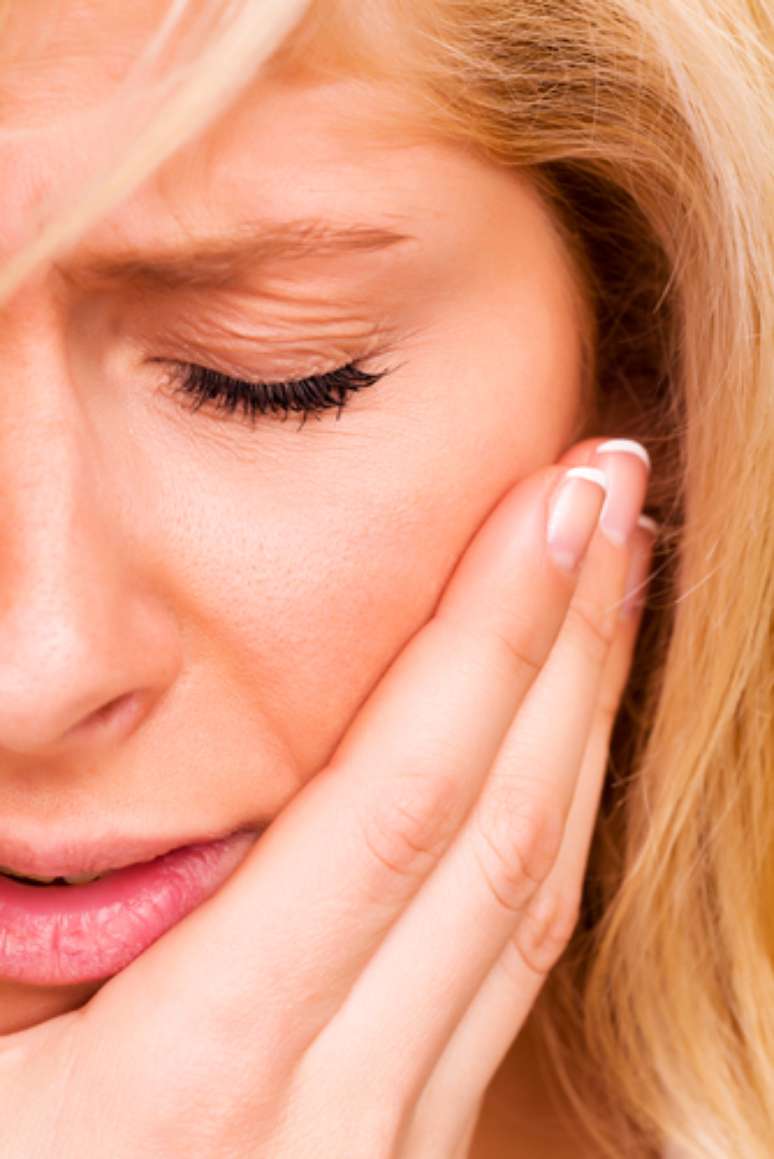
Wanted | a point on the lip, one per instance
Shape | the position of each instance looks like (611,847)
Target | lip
(74,858)
(57,935)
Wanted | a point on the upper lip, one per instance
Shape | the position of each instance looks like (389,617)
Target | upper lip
(71,857)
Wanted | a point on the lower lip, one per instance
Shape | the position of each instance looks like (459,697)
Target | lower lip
(59,935)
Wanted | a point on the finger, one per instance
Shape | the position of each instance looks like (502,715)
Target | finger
(435,958)
(293,926)
(573,853)
(498,1011)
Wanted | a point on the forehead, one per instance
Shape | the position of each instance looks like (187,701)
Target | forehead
(58,56)
(66,68)
(303,141)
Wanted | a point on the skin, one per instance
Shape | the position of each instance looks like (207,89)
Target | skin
(183,604)
(160,567)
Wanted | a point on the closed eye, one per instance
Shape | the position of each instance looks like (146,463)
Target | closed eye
(306,396)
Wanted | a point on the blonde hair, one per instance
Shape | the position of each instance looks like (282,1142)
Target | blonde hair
(647,126)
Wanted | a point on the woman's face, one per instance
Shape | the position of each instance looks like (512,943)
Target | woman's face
(193,607)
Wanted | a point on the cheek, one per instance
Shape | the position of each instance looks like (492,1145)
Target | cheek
(300,592)
(300,596)
(301,566)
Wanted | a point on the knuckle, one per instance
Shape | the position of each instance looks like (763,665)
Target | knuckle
(516,653)
(547,927)
(516,838)
(498,640)
(591,628)
(406,827)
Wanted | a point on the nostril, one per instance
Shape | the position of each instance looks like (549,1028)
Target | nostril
(119,713)
(110,709)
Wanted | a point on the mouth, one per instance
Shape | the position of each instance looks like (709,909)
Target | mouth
(78,861)
(29,879)
(65,928)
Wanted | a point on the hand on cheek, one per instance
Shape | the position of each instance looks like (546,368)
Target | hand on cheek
(432,870)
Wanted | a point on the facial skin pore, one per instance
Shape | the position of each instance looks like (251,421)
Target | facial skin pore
(192,608)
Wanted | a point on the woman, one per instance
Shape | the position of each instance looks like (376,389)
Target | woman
(330,703)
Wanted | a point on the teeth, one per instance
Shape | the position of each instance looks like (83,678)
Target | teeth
(75,879)
(31,876)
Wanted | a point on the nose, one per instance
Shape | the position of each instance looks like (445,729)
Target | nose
(87,644)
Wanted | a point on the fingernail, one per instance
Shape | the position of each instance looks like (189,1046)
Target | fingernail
(636,587)
(574,514)
(627,466)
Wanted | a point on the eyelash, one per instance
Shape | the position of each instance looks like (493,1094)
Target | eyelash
(306,396)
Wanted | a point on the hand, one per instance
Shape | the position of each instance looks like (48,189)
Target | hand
(352,988)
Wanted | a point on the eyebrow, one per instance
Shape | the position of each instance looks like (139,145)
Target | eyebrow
(212,261)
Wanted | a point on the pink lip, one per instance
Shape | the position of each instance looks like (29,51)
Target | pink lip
(57,935)
(72,857)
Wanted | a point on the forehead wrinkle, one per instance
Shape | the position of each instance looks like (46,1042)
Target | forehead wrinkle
(216,261)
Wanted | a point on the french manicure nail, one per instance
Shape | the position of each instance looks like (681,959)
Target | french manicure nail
(574,513)
(627,466)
